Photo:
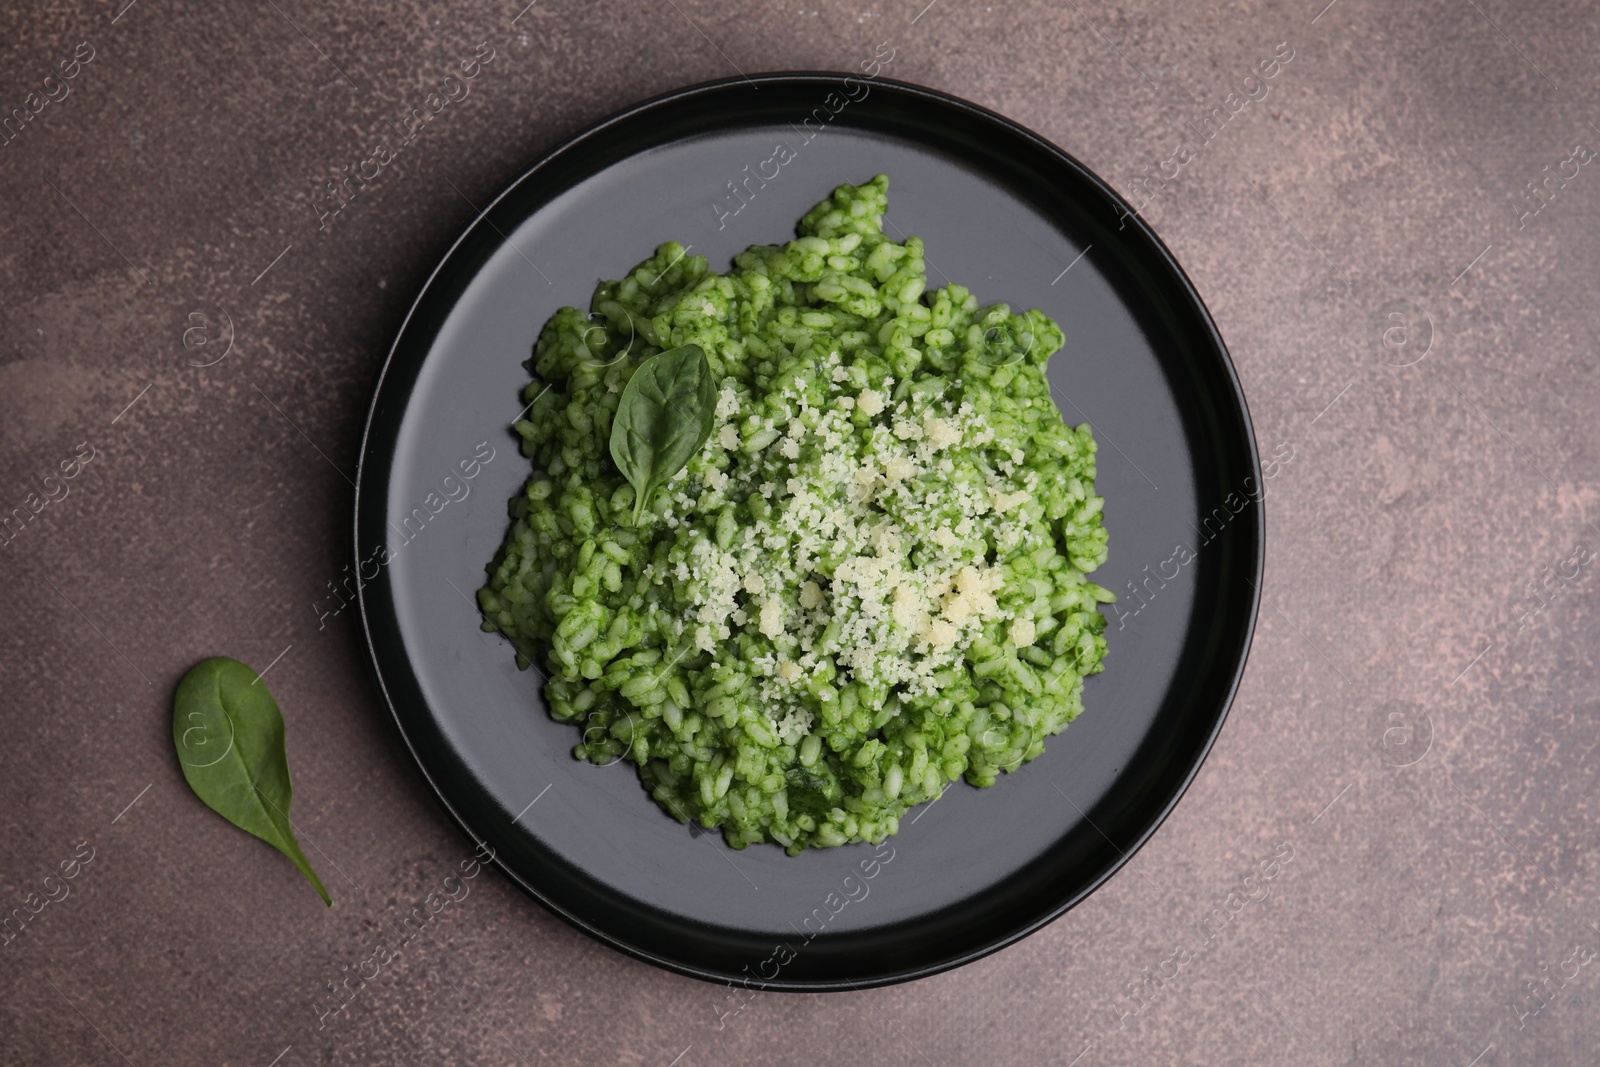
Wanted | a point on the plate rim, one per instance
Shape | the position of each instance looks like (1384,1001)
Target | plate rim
(1213,339)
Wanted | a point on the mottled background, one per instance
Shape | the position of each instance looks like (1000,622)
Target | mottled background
(1417,722)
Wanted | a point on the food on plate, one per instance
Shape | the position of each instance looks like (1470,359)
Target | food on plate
(807,541)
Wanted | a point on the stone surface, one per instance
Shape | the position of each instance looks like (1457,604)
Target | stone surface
(1374,187)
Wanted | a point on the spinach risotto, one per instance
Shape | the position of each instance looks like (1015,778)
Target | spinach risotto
(805,541)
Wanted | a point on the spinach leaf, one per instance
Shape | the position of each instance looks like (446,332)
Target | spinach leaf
(663,418)
(229,736)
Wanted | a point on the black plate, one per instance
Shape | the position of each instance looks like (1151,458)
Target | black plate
(1006,214)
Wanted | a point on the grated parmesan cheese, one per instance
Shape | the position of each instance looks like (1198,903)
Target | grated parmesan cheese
(772,617)
(941,433)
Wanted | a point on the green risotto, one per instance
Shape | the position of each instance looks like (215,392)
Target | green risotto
(867,581)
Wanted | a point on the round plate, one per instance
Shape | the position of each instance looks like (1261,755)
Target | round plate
(1002,212)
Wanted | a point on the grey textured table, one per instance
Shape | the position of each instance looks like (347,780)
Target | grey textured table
(1413,321)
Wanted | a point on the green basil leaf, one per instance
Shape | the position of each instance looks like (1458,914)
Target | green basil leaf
(229,736)
(663,418)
